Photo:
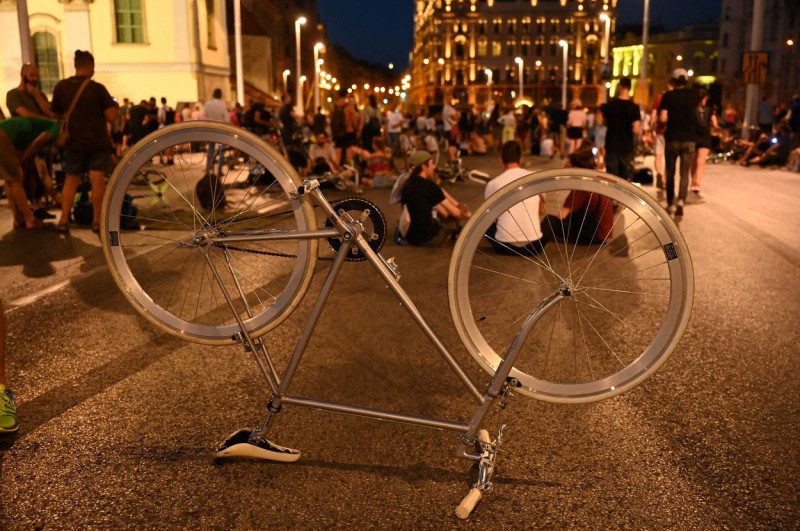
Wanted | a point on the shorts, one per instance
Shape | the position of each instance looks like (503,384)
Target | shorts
(574,133)
(79,162)
(10,169)
(659,145)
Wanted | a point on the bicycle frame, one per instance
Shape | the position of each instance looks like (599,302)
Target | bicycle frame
(351,232)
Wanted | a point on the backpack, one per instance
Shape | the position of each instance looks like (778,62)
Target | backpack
(210,192)
(338,123)
(82,210)
(169,116)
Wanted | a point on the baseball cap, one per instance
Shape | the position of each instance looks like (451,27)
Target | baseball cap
(680,73)
(418,158)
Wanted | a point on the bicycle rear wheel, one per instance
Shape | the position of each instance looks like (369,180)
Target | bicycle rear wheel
(155,238)
(625,299)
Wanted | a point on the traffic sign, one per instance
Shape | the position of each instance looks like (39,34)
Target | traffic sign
(754,67)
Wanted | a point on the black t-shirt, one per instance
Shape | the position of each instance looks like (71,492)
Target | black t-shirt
(421,197)
(289,124)
(619,116)
(87,123)
(259,112)
(136,128)
(681,106)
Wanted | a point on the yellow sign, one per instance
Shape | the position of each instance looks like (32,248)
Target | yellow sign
(754,67)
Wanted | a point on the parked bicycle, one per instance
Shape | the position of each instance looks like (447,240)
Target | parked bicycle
(574,323)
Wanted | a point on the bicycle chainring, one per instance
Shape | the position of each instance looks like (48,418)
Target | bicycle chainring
(374,224)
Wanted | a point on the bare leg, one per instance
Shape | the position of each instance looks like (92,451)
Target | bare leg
(68,197)
(699,167)
(98,180)
(18,202)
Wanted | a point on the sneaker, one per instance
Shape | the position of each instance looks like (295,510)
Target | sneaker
(659,182)
(671,210)
(8,412)
(679,208)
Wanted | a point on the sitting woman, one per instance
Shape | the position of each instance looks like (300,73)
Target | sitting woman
(584,217)
(378,163)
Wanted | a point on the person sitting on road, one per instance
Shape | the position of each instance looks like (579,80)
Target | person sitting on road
(422,197)
(378,164)
(585,218)
(324,159)
(517,231)
(778,151)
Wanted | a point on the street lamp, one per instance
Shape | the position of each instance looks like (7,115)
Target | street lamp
(301,84)
(519,61)
(297,23)
(607,19)
(317,48)
(285,81)
(538,78)
(565,46)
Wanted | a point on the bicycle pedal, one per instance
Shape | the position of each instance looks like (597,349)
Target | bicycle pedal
(238,445)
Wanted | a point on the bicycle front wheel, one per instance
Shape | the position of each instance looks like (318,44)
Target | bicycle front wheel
(621,268)
(155,237)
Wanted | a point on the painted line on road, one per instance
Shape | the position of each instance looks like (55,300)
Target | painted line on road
(30,299)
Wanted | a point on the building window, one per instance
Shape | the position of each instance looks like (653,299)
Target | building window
(512,26)
(539,46)
(129,20)
(526,25)
(510,74)
(525,46)
(483,45)
(482,27)
(553,25)
(211,24)
(46,54)
(497,24)
(511,44)
(497,48)
(540,21)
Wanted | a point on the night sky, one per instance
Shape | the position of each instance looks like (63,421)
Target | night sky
(382,31)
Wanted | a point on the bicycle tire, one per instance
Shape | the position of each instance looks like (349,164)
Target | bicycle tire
(153,238)
(626,302)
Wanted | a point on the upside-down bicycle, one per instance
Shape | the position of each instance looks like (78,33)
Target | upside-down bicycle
(573,323)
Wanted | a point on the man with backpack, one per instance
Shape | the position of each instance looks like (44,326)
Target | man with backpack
(166,114)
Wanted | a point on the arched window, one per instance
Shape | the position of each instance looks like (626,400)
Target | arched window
(46,54)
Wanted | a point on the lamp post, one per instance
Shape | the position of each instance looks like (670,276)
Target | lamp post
(286,81)
(604,17)
(565,46)
(488,87)
(299,103)
(317,48)
(643,94)
(519,61)
(538,78)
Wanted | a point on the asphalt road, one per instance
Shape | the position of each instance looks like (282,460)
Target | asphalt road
(119,421)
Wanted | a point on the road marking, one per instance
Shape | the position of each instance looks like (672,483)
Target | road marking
(30,299)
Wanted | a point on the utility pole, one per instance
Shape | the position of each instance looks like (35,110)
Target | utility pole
(756,37)
(26,44)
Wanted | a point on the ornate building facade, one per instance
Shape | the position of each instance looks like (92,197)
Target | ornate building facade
(472,48)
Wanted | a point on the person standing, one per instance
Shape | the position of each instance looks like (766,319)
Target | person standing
(26,100)
(707,124)
(216,111)
(765,115)
(576,124)
(658,138)
(679,112)
(89,145)
(623,123)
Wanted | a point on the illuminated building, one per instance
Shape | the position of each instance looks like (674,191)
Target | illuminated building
(456,41)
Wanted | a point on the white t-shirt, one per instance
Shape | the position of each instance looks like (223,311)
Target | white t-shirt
(520,224)
(217,111)
(449,117)
(394,122)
